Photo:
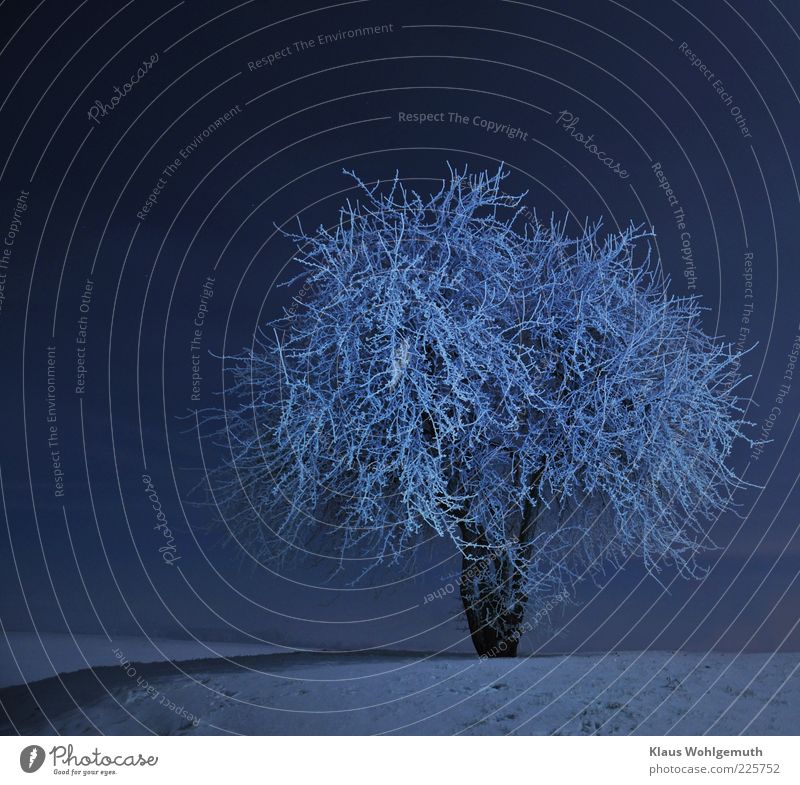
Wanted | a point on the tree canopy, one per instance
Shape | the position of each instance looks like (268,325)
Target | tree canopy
(454,367)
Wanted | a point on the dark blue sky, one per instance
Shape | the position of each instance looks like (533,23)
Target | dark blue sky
(234,126)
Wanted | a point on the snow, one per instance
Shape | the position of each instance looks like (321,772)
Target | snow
(29,656)
(651,693)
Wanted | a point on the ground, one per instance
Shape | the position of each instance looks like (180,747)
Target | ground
(653,693)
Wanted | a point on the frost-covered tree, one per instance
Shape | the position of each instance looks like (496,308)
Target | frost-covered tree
(456,368)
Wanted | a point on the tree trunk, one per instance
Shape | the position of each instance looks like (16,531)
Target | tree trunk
(493,603)
(493,586)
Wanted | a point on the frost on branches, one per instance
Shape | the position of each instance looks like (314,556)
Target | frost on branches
(452,368)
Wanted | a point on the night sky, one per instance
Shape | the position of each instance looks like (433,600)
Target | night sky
(152,152)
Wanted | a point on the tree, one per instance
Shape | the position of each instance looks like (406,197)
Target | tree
(453,367)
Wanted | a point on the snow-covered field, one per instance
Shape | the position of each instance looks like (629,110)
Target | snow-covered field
(300,693)
(30,656)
